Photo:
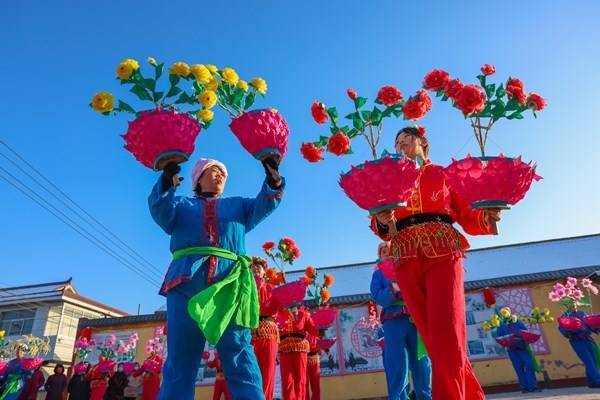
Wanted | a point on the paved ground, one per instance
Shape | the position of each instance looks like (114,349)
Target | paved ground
(576,393)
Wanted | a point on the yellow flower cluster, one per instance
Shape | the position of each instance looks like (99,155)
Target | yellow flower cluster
(180,68)
(230,76)
(126,68)
(2,333)
(242,85)
(103,102)
(205,115)
(201,73)
(208,99)
(260,85)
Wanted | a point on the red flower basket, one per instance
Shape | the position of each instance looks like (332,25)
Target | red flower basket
(107,366)
(324,317)
(326,344)
(570,323)
(530,337)
(381,184)
(80,368)
(31,364)
(128,367)
(289,293)
(388,269)
(157,137)
(488,182)
(3,367)
(262,132)
(593,321)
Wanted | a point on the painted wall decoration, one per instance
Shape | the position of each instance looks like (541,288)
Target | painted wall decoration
(357,340)
(101,337)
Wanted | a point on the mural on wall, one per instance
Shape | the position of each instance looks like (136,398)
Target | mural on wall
(480,344)
(330,364)
(101,338)
(358,342)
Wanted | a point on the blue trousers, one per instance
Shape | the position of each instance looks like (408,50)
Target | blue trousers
(523,365)
(586,352)
(400,354)
(185,345)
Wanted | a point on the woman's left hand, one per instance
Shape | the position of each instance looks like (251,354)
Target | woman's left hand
(492,215)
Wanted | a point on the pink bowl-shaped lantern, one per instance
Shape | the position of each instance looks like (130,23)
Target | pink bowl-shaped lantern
(152,366)
(491,181)
(326,344)
(380,184)
(30,364)
(388,269)
(128,367)
(593,321)
(530,337)
(324,317)
(107,366)
(262,132)
(290,293)
(158,136)
(570,323)
(80,368)
(3,367)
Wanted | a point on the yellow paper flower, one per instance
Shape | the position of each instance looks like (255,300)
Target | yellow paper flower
(505,312)
(542,320)
(212,68)
(230,76)
(535,310)
(206,115)
(180,68)
(208,99)
(103,102)
(126,68)
(514,318)
(201,73)
(242,85)
(550,319)
(486,326)
(151,61)
(213,84)
(260,85)
(546,312)
(2,333)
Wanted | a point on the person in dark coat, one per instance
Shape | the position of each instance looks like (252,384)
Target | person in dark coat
(56,384)
(33,384)
(117,384)
(79,388)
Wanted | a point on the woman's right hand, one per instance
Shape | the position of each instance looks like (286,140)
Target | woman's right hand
(385,217)
(170,176)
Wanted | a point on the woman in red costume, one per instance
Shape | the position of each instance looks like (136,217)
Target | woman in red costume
(98,378)
(266,337)
(151,371)
(220,387)
(429,271)
(293,350)
(313,369)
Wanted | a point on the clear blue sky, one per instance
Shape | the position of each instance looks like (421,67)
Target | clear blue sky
(56,55)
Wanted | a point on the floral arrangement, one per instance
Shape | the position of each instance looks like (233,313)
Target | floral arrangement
(365,123)
(83,348)
(156,345)
(484,103)
(4,347)
(320,291)
(118,351)
(283,253)
(571,295)
(503,316)
(538,316)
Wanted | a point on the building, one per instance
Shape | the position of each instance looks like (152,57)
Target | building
(49,310)
(522,275)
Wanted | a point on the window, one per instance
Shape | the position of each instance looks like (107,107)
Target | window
(17,322)
(71,318)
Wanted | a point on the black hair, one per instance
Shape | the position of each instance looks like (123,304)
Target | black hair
(411,130)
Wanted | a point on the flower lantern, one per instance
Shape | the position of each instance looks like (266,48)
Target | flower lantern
(283,253)
(326,344)
(324,317)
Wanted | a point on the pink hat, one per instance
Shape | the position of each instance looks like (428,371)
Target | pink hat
(202,165)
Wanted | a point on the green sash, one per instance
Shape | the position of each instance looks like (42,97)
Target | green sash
(233,297)
(14,384)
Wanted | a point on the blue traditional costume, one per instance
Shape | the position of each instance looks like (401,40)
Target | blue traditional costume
(14,379)
(520,355)
(584,346)
(208,246)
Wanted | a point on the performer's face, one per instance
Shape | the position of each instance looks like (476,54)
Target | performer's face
(384,252)
(20,353)
(212,180)
(410,145)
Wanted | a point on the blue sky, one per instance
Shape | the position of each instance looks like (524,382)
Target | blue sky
(56,55)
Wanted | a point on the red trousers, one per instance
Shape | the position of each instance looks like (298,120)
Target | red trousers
(293,375)
(313,373)
(265,350)
(97,391)
(221,388)
(433,289)
(150,388)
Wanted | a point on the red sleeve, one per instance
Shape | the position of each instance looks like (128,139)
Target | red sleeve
(138,372)
(310,327)
(268,304)
(472,220)
(374,227)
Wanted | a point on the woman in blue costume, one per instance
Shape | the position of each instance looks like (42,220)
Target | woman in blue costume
(15,377)
(400,349)
(208,244)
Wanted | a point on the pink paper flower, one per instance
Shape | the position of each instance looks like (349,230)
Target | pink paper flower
(553,297)
(571,282)
(110,341)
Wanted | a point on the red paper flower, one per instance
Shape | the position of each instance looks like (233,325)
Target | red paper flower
(311,153)
(516,90)
(339,144)
(416,107)
(453,88)
(296,252)
(268,246)
(288,242)
(308,280)
(271,274)
(328,280)
(310,271)
(536,102)
(325,296)
(319,112)
(488,69)
(471,99)
(351,94)
(421,130)
(389,95)
(436,80)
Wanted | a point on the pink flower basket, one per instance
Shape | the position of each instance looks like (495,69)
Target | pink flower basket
(3,367)
(158,136)
(593,321)
(491,181)
(80,368)
(530,337)
(326,344)
(324,317)
(107,366)
(570,323)
(388,269)
(289,293)
(128,367)
(381,184)
(31,364)
(262,132)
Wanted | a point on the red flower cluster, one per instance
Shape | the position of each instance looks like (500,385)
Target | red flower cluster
(325,296)
(319,112)
(536,102)
(488,69)
(351,94)
(289,249)
(389,96)
(417,106)
(271,274)
(453,88)
(471,99)
(421,130)
(328,280)
(268,247)
(436,80)
(339,144)
(310,271)
(311,153)
(516,90)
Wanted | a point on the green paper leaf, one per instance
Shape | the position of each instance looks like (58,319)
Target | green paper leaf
(126,107)
(515,115)
(352,133)
(173,91)
(237,96)
(333,114)
(158,96)
(353,115)
(481,79)
(140,92)
(376,116)
(366,115)
(397,113)
(174,79)
(490,89)
(500,92)
(183,98)
(158,71)
(149,84)
(360,101)
(344,129)
(334,129)
(439,93)
(358,123)
(249,100)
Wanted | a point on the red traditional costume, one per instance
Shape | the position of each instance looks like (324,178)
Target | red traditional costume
(313,370)
(266,337)
(293,350)
(220,387)
(98,381)
(430,274)
(151,370)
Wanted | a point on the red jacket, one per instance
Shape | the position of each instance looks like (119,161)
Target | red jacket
(294,330)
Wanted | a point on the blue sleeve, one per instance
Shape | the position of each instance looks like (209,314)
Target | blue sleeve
(163,206)
(564,332)
(257,209)
(381,290)
(521,326)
